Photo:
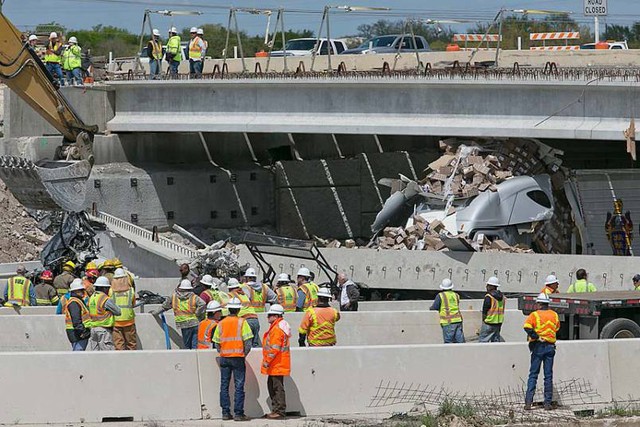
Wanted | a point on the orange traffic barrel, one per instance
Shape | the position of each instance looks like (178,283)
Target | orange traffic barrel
(453,48)
(261,54)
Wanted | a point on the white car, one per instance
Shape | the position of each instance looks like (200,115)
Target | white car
(304,47)
(612,45)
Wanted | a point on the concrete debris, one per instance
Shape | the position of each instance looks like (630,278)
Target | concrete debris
(219,259)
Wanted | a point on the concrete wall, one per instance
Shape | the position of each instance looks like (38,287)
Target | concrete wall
(39,332)
(588,374)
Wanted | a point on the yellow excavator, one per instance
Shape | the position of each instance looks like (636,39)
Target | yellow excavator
(47,184)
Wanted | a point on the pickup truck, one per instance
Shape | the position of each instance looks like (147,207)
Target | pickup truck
(391,44)
(593,315)
(611,45)
(304,47)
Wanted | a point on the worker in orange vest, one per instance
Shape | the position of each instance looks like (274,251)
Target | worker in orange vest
(232,339)
(550,285)
(318,324)
(541,327)
(276,360)
(207,327)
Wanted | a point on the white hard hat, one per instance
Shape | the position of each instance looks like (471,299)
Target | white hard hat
(251,272)
(53,35)
(543,298)
(193,30)
(446,284)
(33,37)
(551,279)
(73,39)
(102,282)
(304,271)
(324,292)
(200,32)
(185,285)
(234,303)
(283,277)
(173,30)
(493,281)
(76,285)
(207,280)
(156,32)
(276,309)
(233,284)
(119,273)
(213,306)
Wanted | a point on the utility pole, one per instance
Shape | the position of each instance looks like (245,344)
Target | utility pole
(596,23)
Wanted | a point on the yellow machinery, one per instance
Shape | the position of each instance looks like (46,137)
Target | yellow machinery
(52,184)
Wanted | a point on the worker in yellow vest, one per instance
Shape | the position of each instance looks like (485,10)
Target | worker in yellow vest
(307,291)
(188,309)
(77,318)
(196,53)
(173,54)
(247,312)
(286,295)
(581,284)
(447,303)
(102,311)
(492,312)
(212,290)
(122,294)
(318,323)
(19,290)
(259,294)
(64,279)
(72,62)
(53,58)
(154,52)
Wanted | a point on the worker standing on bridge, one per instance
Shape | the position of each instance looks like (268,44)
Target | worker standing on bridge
(541,327)
(232,339)
(307,291)
(64,279)
(581,284)
(154,52)
(77,319)
(206,46)
(259,294)
(492,312)
(130,276)
(45,292)
(207,327)
(196,53)
(318,325)
(447,303)
(123,295)
(19,290)
(287,296)
(212,290)
(52,59)
(247,312)
(349,293)
(173,54)
(102,311)
(550,285)
(188,309)
(636,282)
(72,62)
(276,360)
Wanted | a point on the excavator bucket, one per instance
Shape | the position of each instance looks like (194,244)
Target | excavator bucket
(46,185)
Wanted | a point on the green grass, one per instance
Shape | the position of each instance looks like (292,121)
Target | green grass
(620,410)
(462,410)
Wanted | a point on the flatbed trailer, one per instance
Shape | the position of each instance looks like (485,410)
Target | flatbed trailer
(593,315)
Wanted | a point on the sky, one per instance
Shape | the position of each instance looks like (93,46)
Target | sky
(299,14)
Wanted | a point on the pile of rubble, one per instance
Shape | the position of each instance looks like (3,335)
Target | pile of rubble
(220,259)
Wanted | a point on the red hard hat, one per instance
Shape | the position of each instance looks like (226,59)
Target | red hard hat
(46,275)
(93,273)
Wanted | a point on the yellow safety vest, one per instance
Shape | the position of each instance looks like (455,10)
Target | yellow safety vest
(157,49)
(173,47)
(18,289)
(184,310)
(247,310)
(257,299)
(124,300)
(219,296)
(311,295)
(495,315)
(86,318)
(287,297)
(100,316)
(195,51)
(72,58)
(449,308)
(50,56)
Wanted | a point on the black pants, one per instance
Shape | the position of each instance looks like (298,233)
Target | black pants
(276,393)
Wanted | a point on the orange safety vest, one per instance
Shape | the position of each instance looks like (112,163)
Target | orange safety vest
(545,323)
(231,342)
(548,291)
(205,331)
(276,358)
(319,325)
(86,319)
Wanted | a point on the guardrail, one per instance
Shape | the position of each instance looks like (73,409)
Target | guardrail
(143,234)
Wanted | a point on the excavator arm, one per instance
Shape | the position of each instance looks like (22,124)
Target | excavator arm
(48,184)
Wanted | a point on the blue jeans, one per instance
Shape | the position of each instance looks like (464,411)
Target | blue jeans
(452,333)
(254,324)
(80,345)
(195,69)
(490,333)
(73,76)
(173,68)
(229,366)
(155,69)
(190,337)
(56,71)
(541,353)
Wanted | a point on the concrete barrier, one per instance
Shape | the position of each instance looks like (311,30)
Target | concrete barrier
(324,381)
(47,333)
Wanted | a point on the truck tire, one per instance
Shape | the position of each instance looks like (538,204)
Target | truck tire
(620,328)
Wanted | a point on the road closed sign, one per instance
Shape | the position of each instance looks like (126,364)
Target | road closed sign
(595,7)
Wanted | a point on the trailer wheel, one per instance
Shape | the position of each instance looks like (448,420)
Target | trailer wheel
(620,328)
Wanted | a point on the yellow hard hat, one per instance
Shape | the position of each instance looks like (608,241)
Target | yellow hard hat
(108,264)
(90,266)
(69,265)
(117,263)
